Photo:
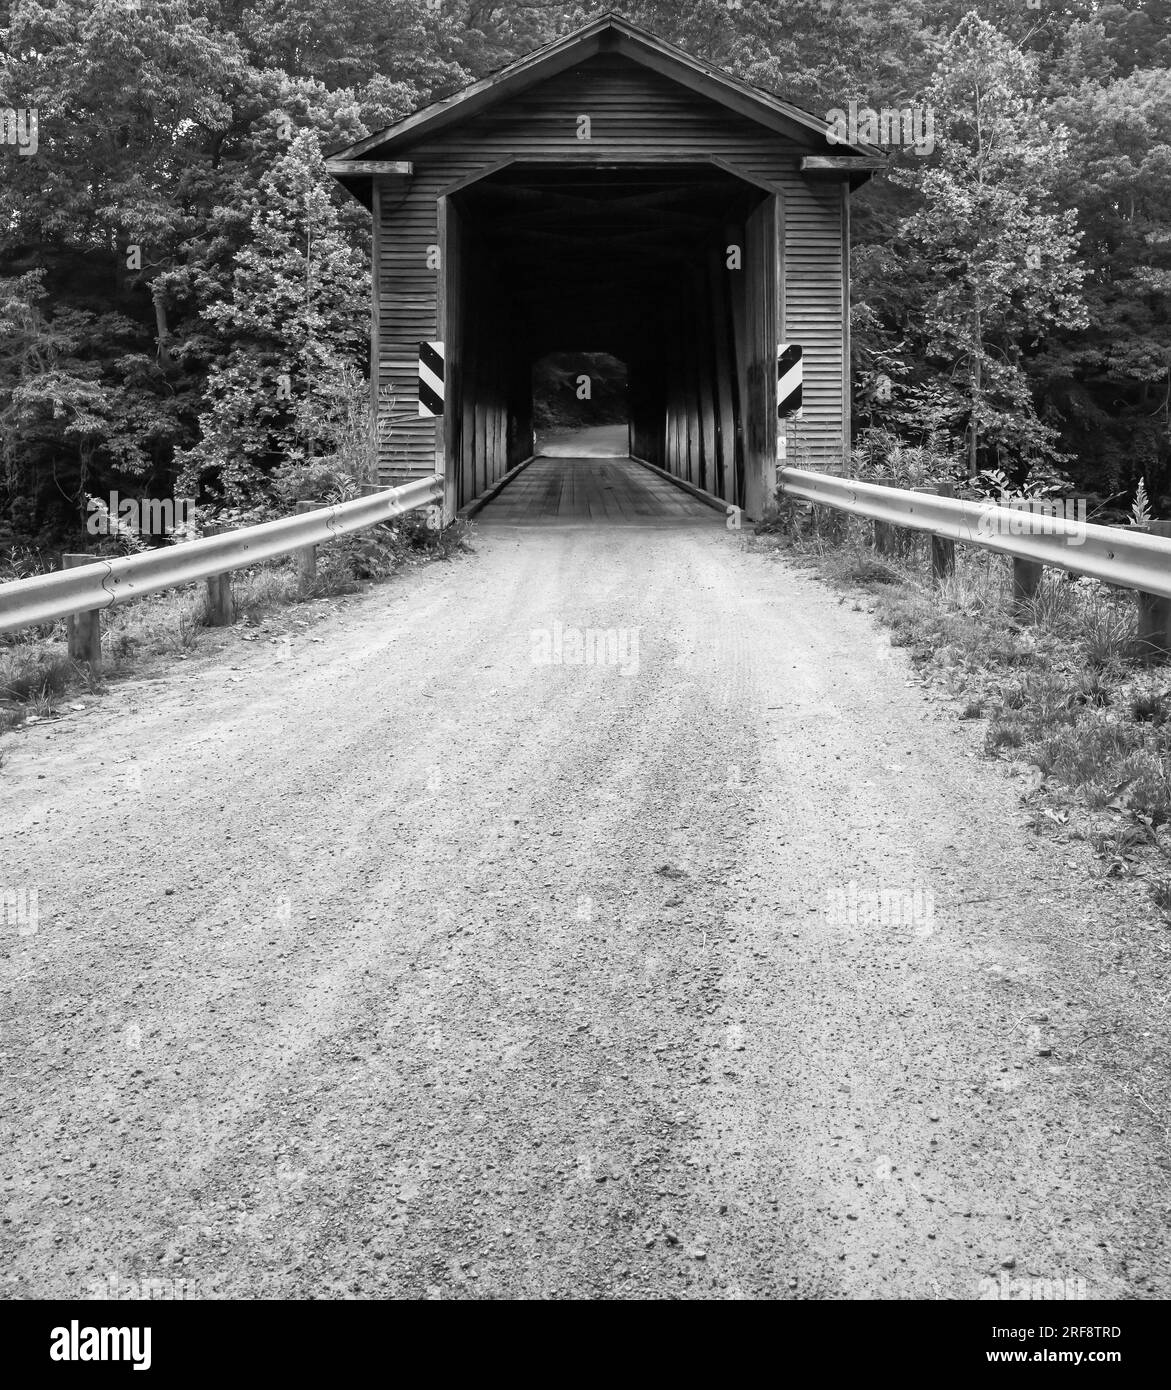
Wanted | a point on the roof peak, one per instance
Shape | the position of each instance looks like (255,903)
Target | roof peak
(638,44)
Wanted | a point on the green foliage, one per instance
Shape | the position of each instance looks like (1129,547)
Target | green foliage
(291,328)
(557,382)
(882,455)
(155,273)
(969,268)
(121,536)
(995,260)
(1140,511)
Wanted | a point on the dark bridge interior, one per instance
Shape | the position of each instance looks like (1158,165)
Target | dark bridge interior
(623,259)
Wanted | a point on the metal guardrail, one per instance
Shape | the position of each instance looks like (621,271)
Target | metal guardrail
(24,602)
(1116,555)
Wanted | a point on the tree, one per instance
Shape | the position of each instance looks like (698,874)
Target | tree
(995,256)
(122,99)
(292,328)
(160,122)
(1112,380)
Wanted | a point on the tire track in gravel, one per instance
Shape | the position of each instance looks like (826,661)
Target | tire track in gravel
(403,966)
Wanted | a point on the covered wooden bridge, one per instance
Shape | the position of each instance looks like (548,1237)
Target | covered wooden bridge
(609,194)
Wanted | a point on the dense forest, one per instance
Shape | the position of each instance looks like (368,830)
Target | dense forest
(173,234)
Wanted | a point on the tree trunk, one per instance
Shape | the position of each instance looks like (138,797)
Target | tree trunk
(163,333)
(977,383)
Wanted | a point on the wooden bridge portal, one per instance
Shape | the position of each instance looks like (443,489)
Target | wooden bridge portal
(608,193)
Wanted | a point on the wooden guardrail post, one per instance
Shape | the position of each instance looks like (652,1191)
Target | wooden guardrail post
(1153,640)
(943,551)
(1026,574)
(884,538)
(84,629)
(306,558)
(221,609)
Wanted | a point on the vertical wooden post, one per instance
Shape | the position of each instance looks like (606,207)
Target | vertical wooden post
(884,538)
(737,296)
(1153,642)
(447,305)
(306,558)
(943,551)
(931,491)
(221,609)
(84,629)
(1026,575)
(725,472)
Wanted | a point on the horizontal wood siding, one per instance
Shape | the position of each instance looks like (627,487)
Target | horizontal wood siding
(407,315)
(633,112)
(814,316)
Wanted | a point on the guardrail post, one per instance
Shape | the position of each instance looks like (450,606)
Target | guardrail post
(85,629)
(943,551)
(1026,574)
(1153,642)
(306,558)
(221,610)
(884,538)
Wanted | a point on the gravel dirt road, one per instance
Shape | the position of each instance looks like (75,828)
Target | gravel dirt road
(401,964)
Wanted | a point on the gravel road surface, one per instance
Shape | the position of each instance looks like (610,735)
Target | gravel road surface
(408,962)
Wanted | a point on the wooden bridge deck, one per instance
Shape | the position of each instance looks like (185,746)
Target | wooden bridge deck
(594,491)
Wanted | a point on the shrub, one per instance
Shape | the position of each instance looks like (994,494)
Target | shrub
(1004,733)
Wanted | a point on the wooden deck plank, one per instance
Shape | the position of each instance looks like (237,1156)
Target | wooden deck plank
(595,492)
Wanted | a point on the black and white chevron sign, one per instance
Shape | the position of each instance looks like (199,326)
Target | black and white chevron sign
(789,378)
(430,380)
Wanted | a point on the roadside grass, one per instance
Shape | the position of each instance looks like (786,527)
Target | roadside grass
(1069,703)
(38,678)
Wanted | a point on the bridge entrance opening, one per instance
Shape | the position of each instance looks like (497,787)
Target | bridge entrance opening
(580,406)
(668,272)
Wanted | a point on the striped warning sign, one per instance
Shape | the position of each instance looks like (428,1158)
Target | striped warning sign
(789,377)
(430,380)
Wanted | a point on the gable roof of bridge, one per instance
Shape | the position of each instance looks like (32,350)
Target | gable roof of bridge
(608,34)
